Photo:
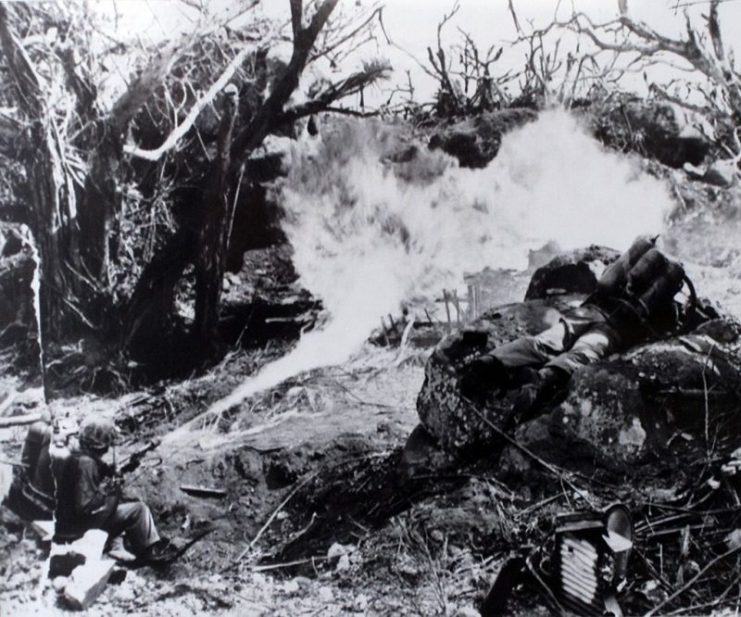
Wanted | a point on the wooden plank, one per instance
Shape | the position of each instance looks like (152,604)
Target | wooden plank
(65,558)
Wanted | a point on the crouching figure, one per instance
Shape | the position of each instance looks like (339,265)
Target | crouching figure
(89,496)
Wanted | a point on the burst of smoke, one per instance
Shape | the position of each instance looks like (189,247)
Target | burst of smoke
(370,234)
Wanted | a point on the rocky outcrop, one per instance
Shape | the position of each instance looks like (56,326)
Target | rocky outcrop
(659,396)
(574,272)
(454,422)
(475,141)
(563,282)
(653,129)
(653,399)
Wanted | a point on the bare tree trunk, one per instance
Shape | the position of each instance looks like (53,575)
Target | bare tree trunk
(303,41)
(51,197)
(53,237)
(213,238)
(150,313)
(99,204)
(76,238)
(101,199)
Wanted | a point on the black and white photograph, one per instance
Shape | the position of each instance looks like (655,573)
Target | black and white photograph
(370,308)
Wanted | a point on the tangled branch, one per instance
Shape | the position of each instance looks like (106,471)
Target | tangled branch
(704,51)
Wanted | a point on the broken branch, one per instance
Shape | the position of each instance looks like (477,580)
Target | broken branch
(20,420)
(182,129)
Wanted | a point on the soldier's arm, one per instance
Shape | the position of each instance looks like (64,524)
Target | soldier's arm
(91,496)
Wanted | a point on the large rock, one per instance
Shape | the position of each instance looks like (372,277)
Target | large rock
(450,419)
(563,282)
(615,413)
(636,407)
(573,272)
(651,128)
(654,129)
(475,141)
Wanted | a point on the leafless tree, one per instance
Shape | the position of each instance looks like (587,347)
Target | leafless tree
(80,157)
(701,50)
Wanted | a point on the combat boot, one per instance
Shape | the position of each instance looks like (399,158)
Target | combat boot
(160,553)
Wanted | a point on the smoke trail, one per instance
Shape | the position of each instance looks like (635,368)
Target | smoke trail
(369,234)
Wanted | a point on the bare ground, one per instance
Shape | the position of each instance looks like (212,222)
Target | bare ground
(332,419)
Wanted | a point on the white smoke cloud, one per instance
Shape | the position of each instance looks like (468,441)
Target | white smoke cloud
(368,234)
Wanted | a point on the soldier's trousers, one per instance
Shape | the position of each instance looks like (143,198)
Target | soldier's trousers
(581,337)
(133,519)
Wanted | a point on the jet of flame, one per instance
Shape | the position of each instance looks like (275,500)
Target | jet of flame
(370,234)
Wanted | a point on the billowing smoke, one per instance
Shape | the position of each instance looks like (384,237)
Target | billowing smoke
(370,234)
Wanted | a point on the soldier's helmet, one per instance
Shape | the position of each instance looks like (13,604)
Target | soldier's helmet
(97,434)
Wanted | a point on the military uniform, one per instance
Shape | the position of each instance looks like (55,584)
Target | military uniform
(89,495)
(89,498)
(582,336)
(633,301)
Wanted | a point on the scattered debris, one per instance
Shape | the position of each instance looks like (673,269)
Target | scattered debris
(580,571)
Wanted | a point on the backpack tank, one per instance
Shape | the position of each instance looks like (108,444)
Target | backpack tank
(649,268)
(615,276)
(662,289)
